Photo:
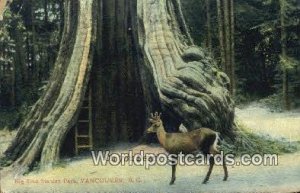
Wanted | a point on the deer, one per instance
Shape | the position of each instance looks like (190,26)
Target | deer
(202,139)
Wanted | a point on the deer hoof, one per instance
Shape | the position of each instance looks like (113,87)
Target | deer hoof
(225,178)
(204,181)
(172,181)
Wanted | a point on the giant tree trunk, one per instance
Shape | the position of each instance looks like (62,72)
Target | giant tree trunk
(151,64)
(189,85)
(42,133)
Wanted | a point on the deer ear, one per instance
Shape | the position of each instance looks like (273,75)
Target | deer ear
(151,120)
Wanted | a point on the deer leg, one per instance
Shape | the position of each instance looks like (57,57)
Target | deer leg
(211,165)
(225,169)
(173,178)
(173,174)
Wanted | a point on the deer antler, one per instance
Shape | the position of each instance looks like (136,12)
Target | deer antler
(156,116)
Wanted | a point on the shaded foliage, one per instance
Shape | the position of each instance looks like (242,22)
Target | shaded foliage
(258,45)
(33,28)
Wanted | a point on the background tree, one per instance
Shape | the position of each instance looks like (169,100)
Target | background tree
(226,31)
(232,49)
(221,35)
(208,26)
(257,41)
(26,27)
(7,68)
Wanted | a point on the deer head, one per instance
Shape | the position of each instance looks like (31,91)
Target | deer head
(155,121)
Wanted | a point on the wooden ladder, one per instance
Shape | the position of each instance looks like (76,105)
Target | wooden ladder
(83,127)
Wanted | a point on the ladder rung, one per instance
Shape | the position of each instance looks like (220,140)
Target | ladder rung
(83,121)
(83,136)
(84,146)
(82,139)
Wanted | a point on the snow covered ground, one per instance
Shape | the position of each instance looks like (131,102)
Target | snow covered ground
(77,176)
(284,125)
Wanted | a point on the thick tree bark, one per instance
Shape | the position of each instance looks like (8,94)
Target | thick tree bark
(144,61)
(42,133)
(189,85)
(74,85)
